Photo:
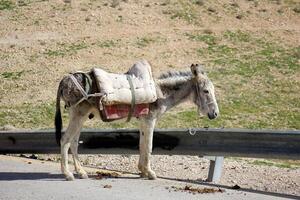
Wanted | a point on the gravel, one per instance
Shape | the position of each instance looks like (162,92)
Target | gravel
(236,171)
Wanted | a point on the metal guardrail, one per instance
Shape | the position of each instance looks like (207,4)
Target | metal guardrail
(201,142)
(204,142)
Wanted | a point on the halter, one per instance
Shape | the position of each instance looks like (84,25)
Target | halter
(198,92)
(210,102)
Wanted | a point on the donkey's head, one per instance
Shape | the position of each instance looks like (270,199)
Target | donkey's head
(204,93)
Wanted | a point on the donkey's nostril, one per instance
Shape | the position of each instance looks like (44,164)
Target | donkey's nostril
(212,115)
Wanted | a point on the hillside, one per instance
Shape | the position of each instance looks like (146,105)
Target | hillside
(250,50)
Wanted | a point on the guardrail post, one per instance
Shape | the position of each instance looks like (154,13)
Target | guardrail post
(215,168)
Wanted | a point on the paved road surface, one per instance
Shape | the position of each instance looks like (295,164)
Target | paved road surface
(27,179)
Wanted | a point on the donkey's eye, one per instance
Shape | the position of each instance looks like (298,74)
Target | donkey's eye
(206,91)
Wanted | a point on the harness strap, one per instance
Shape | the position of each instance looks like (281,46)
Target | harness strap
(132,107)
(88,81)
(84,93)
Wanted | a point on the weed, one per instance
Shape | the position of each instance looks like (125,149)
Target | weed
(207,38)
(6,5)
(198,2)
(297,9)
(76,47)
(279,57)
(293,164)
(146,41)
(119,18)
(237,36)
(276,164)
(65,49)
(50,52)
(12,75)
(186,12)
(28,115)
(231,8)
(22,3)
(108,43)
(33,58)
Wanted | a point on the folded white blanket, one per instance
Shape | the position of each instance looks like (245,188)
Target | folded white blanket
(117,86)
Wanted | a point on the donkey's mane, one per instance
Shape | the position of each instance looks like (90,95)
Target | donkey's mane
(175,74)
(173,78)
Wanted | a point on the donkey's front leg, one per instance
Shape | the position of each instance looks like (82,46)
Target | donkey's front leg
(146,137)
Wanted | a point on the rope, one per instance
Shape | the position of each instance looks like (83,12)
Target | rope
(84,93)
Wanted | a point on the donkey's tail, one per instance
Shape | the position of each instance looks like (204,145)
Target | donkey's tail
(58,120)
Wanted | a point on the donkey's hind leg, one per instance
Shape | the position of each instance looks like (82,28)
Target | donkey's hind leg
(74,149)
(75,124)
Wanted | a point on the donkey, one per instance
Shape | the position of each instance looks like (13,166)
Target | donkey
(173,88)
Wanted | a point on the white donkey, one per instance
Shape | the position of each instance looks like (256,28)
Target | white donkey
(173,88)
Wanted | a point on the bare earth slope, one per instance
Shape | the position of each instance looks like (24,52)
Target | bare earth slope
(250,49)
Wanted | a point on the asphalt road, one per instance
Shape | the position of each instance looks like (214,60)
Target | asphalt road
(27,179)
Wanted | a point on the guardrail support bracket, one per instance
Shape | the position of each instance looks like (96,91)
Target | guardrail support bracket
(215,168)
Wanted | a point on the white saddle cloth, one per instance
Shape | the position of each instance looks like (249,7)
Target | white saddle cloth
(117,87)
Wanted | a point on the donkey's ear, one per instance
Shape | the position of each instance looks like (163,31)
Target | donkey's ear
(193,69)
(196,69)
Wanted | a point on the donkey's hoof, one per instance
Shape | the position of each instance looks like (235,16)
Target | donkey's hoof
(83,176)
(140,167)
(143,175)
(70,177)
(152,175)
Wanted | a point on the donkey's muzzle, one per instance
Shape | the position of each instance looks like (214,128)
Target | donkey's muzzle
(212,115)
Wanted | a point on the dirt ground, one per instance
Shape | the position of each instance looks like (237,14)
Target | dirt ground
(42,40)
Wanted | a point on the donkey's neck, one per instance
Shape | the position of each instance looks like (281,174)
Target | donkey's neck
(175,88)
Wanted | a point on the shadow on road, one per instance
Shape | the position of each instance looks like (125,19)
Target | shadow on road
(15,176)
